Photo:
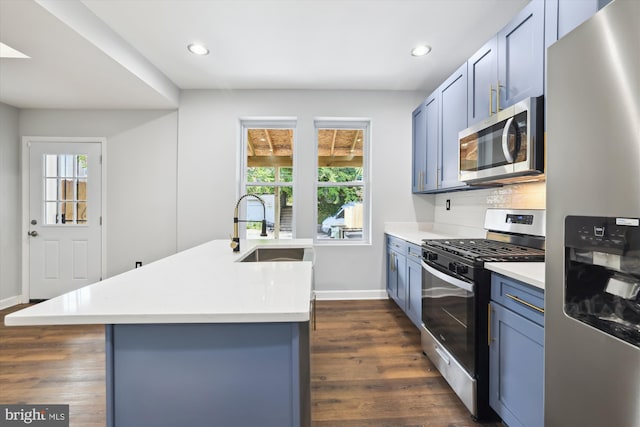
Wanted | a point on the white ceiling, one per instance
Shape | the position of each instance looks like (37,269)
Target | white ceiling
(132,53)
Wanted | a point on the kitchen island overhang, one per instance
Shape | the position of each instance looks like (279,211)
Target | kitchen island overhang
(199,338)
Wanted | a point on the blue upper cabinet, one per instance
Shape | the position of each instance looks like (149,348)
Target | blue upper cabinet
(510,66)
(436,124)
(425,140)
(562,16)
(432,113)
(482,69)
(521,55)
(453,119)
(419,132)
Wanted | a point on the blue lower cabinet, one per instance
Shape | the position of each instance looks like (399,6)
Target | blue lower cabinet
(516,364)
(404,277)
(392,274)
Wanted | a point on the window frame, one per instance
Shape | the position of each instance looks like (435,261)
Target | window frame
(365,125)
(246,123)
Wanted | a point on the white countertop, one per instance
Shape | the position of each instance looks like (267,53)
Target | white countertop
(199,285)
(527,272)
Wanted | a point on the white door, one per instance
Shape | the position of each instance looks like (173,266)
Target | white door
(65,209)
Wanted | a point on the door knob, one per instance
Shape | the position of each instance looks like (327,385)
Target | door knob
(32,233)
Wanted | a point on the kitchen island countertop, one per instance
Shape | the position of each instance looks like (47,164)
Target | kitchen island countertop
(203,284)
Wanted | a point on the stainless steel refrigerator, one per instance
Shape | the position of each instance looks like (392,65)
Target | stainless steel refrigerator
(592,317)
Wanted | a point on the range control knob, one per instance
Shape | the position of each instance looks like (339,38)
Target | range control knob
(431,256)
(461,269)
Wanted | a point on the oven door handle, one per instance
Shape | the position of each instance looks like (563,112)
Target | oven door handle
(449,279)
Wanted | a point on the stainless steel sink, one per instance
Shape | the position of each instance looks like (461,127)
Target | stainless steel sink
(278,255)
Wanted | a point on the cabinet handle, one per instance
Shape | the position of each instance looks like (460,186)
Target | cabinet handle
(523,302)
(498,97)
(490,100)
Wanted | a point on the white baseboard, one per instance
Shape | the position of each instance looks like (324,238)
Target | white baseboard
(10,302)
(351,295)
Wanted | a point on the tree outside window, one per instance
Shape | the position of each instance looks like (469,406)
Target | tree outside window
(268,173)
(342,175)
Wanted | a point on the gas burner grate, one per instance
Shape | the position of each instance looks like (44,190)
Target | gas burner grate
(487,250)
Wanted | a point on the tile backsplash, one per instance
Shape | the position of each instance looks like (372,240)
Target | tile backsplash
(468,207)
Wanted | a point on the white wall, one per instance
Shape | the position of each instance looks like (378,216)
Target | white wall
(10,201)
(141,176)
(209,138)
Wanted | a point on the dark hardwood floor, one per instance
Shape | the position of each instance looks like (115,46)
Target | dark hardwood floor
(55,365)
(367,370)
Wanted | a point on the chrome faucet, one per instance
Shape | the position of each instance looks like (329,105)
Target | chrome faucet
(235,240)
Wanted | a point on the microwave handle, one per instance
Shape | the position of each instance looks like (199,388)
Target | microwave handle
(505,141)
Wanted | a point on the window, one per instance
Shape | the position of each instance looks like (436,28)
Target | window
(267,172)
(342,203)
(65,195)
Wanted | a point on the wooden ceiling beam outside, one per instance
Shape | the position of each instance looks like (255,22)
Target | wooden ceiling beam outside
(266,133)
(269,161)
(355,141)
(333,141)
(340,161)
(323,161)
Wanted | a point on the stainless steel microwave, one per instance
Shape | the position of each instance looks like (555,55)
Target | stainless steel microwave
(508,144)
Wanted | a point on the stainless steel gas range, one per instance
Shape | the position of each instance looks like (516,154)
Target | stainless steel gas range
(456,289)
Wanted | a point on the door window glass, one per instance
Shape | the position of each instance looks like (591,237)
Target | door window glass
(65,189)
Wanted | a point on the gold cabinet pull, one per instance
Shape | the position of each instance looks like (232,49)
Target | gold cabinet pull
(490,100)
(523,302)
(498,97)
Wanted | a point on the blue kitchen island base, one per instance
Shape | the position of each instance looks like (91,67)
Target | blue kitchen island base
(239,374)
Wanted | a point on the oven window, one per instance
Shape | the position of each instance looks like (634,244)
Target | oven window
(449,312)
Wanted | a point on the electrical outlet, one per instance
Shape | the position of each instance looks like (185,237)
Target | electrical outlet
(138,264)
(448,205)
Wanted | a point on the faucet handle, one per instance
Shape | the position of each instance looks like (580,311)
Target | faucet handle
(235,243)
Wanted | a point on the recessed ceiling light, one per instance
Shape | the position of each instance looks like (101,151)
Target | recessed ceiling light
(9,52)
(198,49)
(420,50)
